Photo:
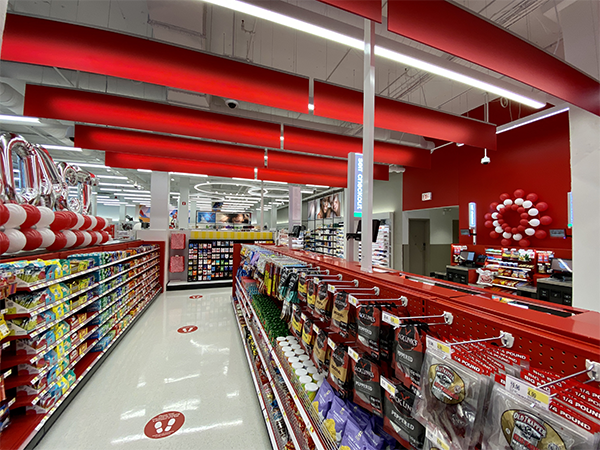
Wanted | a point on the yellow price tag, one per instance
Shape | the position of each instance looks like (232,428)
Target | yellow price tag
(352,300)
(331,288)
(438,346)
(538,395)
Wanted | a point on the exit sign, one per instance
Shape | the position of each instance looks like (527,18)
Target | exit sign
(426,196)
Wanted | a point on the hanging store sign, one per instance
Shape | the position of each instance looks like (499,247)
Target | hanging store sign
(358,186)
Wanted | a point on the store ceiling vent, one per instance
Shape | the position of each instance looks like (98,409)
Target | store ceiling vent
(188,99)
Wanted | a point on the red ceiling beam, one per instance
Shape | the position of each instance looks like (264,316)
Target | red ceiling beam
(369,9)
(302,140)
(56,44)
(149,144)
(112,110)
(345,104)
(165,164)
(448,27)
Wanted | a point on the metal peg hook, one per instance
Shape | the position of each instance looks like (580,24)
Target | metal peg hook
(397,321)
(592,367)
(507,340)
(337,283)
(373,289)
(329,277)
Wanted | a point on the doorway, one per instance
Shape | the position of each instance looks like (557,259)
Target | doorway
(418,246)
(455,232)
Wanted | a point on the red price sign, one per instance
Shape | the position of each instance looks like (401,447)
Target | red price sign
(195,296)
(163,425)
(187,329)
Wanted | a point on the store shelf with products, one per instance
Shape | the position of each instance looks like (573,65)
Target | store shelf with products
(48,363)
(535,344)
(382,248)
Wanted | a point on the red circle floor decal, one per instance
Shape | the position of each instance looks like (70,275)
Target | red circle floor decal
(187,329)
(195,296)
(163,425)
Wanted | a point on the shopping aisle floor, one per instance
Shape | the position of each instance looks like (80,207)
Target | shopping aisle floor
(155,369)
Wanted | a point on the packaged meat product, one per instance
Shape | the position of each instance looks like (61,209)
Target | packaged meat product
(398,421)
(365,380)
(340,315)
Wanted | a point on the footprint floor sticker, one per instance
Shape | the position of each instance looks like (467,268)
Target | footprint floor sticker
(187,329)
(163,425)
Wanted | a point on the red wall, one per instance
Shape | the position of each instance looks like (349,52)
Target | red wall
(534,157)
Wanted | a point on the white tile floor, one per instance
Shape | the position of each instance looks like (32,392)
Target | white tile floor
(154,369)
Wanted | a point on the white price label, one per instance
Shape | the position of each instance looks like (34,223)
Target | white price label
(295,270)
(390,318)
(436,438)
(352,300)
(303,316)
(387,386)
(316,280)
(353,354)
(331,344)
(295,307)
(316,329)
(438,346)
(331,288)
(527,391)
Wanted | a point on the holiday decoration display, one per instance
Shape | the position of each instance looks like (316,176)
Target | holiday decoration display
(522,208)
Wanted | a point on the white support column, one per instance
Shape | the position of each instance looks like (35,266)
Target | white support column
(159,192)
(366,263)
(122,212)
(294,210)
(352,204)
(273,218)
(184,203)
(193,214)
(262,205)
(585,173)
(94,211)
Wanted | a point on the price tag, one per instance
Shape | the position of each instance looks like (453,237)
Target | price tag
(295,307)
(527,391)
(331,288)
(316,280)
(316,329)
(391,319)
(438,346)
(387,386)
(353,354)
(331,344)
(352,300)
(295,270)
(436,437)
(303,316)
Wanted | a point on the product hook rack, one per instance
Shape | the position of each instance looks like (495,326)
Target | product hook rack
(397,321)
(592,368)
(506,338)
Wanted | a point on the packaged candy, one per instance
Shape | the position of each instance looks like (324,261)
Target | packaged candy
(323,400)
(452,398)
(512,424)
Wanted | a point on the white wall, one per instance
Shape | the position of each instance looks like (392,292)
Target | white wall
(387,197)
(440,223)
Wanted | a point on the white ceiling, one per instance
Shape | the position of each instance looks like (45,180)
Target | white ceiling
(194,24)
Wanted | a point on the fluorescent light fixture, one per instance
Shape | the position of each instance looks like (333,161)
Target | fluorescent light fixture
(144,170)
(311,107)
(317,185)
(188,174)
(110,190)
(114,177)
(459,144)
(62,147)
(94,166)
(455,76)
(136,191)
(115,184)
(275,182)
(532,118)
(243,179)
(358,44)
(21,119)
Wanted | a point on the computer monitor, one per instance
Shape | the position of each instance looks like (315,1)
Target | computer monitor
(470,257)
(463,255)
(376,223)
(295,231)
(562,265)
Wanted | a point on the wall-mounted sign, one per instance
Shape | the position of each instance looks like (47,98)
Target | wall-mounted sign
(556,233)
(425,196)
(464,232)
(472,215)
(358,189)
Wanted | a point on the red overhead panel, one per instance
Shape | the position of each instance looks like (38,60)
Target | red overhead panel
(103,109)
(318,142)
(130,161)
(450,28)
(313,164)
(125,141)
(369,9)
(56,44)
(345,104)
(302,178)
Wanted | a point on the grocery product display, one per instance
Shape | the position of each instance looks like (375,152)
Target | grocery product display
(210,260)
(327,240)
(59,322)
(393,365)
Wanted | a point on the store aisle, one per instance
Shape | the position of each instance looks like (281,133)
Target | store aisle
(155,369)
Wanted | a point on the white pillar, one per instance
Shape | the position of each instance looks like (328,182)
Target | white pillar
(294,209)
(273,218)
(122,212)
(585,176)
(193,214)
(183,209)
(366,264)
(159,192)
(351,205)
(94,211)
(262,205)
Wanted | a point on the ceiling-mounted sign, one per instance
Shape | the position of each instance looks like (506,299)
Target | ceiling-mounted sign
(472,215)
(426,196)
(358,186)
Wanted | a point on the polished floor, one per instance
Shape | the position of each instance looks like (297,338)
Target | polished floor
(154,369)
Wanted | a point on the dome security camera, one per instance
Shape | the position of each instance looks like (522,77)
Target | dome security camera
(485,160)
(232,104)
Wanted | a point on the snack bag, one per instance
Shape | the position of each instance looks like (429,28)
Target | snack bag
(368,322)
(367,390)
(297,322)
(340,315)
(308,335)
(398,419)
(302,288)
(340,371)
(323,400)
(353,436)
(321,354)
(336,420)
(452,398)
(311,293)
(513,425)
(409,348)
(323,302)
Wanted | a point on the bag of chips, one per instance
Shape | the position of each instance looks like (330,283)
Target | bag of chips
(323,400)
(337,418)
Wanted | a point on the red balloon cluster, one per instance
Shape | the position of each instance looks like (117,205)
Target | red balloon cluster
(66,229)
(529,213)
